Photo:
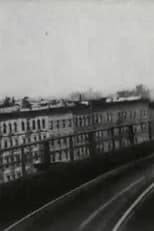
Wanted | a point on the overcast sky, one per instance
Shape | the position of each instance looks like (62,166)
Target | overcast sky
(52,47)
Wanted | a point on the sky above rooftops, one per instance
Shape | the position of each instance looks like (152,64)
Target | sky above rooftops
(51,48)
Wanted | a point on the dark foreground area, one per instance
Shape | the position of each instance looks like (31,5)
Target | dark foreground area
(23,196)
(94,207)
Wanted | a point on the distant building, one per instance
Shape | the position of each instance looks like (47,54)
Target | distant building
(140,91)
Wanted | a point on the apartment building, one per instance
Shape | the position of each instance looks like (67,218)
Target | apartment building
(113,125)
(152,118)
(26,127)
(126,118)
(60,125)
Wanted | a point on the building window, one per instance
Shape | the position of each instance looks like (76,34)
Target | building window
(15,126)
(135,129)
(109,132)
(51,124)
(43,123)
(70,123)
(78,153)
(23,126)
(86,137)
(88,119)
(8,178)
(29,140)
(63,123)
(59,141)
(78,139)
(96,119)
(10,127)
(52,142)
(38,124)
(57,124)
(100,118)
(119,116)
(36,156)
(130,115)
(67,155)
(145,113)
(80,121)
(65,140)
(136,140)
(24,140)
(76,122)
(124,115)
(111,116)
(28,125)
(7,159)
(5,144)
(144,127)
(97,135)
(1,160)
(11,143)
(108,117)
(141,113)
(84,121)
(4,128)
(116,131)
(35,138)
(16,142)
(33,125)
(100,134)
(18,174)
(60,156)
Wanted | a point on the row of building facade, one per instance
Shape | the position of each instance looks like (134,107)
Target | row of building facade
(71,133)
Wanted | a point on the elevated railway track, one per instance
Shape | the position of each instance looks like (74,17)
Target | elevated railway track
(96,205)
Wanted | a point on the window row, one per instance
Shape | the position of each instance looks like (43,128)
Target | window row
(60,141)
(132,115)
(141,128)
(81,138)
(60,156)
(25,125)
(65,155)
(97,118)
(10,142)
(81,152)
(35,138)
(10,127)
(58,124)
(94,118)
(66,140)
(11,158)
(12,177)
(36,124)
(83,121)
